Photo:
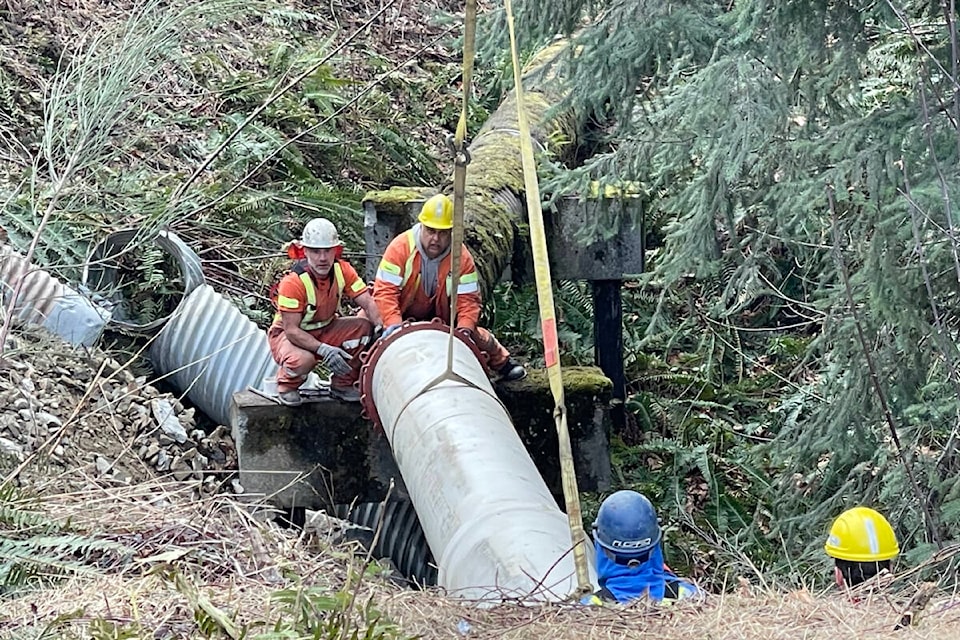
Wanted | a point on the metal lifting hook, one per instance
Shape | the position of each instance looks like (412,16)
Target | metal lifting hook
(461,155)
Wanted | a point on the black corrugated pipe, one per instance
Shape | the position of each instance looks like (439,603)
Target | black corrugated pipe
(401,537)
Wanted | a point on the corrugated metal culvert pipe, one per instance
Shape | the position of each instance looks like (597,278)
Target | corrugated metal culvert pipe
(211,350)
(493,526)
(206,347)
(102,273)
(400,538)
(46,301)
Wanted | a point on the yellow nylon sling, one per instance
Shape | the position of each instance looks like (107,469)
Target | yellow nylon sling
(461,159)
(548,321)
(541,271)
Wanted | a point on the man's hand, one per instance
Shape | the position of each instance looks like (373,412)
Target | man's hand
(390,329)
(334,358)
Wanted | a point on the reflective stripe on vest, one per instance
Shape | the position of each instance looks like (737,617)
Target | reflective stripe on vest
(394,273)
(408,267)
(397,276)
(469,283)
(307,323)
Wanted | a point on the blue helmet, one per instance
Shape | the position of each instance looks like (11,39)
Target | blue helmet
(626,525)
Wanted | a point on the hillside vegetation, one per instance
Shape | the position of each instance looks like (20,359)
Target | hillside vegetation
(791,352)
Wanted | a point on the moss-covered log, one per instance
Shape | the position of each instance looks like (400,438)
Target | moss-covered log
(494,209)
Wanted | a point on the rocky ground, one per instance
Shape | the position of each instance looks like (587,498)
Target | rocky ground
(69,415)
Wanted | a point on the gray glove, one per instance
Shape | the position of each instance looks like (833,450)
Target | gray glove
(334,358)
(389,330)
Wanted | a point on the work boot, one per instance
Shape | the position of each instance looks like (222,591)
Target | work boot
(511,370)
(290,398)
(345,393)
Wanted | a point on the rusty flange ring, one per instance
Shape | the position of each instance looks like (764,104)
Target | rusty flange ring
(372,356)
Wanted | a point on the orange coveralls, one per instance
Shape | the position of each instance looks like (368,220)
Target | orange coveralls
(399,294)
(300,292)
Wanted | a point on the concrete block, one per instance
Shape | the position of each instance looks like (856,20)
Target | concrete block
(587,394)
(613,258)
(386,214)
(315,455)
(324,453)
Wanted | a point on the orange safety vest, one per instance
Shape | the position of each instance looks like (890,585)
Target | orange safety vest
(308,322)
(400,269)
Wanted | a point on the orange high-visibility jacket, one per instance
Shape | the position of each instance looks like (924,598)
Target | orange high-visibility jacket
(397,289)
(298,292)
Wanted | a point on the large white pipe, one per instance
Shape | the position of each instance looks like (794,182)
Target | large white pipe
(494,529)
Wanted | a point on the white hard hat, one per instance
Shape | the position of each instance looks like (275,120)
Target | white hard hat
(320,233)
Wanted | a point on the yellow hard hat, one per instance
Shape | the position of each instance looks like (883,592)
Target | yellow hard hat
(861,535)
(437,212)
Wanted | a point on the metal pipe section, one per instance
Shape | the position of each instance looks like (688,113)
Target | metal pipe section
(46,301)
(494,529)
(210,350)
(101,274)
(206,347)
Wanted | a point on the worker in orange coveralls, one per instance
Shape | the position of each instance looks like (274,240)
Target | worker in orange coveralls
(307,328)
(413,283)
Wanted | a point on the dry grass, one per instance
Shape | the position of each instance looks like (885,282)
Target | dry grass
(776,615)
(230,551)
(237,558)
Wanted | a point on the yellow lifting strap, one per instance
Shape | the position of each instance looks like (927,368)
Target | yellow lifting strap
(541,269)
(461,160)
(548,321)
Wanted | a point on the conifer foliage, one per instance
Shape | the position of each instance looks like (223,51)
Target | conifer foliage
(802,156)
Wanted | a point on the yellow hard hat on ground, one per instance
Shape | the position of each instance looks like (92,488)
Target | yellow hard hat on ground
(861,535)
(437,212)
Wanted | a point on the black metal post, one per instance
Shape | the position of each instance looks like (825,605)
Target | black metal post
(608,342)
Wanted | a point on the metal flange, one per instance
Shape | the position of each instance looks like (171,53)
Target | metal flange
(371,357)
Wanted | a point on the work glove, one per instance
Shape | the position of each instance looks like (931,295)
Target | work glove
(334,358)
(390,329)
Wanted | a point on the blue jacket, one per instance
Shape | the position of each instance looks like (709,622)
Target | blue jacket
(623,584)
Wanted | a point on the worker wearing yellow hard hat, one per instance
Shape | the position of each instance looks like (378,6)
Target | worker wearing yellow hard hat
(414,282)
(437,213)
(862,544)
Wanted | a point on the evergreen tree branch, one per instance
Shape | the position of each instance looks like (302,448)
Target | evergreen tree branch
(944,340)
(949,14)
(929,521)
(922,48)
(920,45)
(941,178)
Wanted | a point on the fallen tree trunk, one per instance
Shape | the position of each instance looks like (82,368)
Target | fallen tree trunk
(494,210)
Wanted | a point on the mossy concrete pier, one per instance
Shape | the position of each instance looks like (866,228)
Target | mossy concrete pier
(324,453)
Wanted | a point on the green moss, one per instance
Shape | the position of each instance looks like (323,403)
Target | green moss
(496,169)
(496,163)
(489,235)
(588,382)
(530,403)
(394,201)
(545,56)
